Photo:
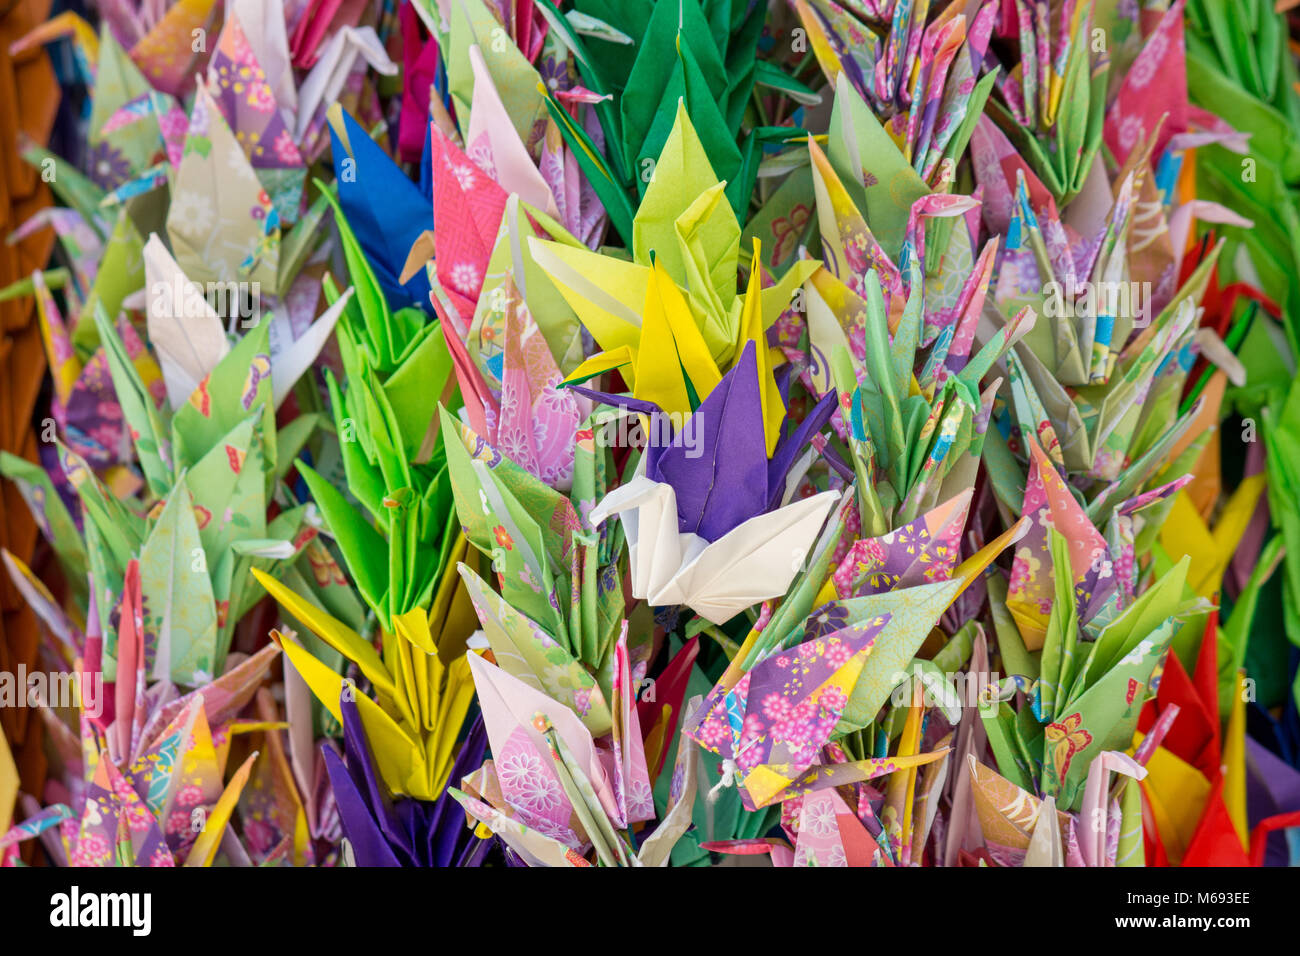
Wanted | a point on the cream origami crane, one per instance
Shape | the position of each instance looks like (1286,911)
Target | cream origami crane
(699,515)
(753,562)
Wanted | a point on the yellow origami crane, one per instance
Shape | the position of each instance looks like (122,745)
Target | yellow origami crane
(678,294)
(1186,532)
(421,680)
(667,330)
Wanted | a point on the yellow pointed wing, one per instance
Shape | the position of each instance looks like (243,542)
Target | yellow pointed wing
(674,368)
(753,330)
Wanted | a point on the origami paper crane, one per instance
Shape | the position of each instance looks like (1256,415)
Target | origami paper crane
(1053,105)
(527,652)
(396,545)
(688,542)
(711,74)
(422,690)
(221,221)
(920,77)
(594,259)
(367,181)
(1010,818)
(1088,694)
(1249,100)
(1140,106)
(716,579)
(552,791)
(484,262)
(771,726)
(954,292)
(249,99)
(531,419)
(910,452)
(1102,568)
(499,67)
(154,761)
(830,834)
(190,341)
(53,519)
(84,407)
(465,195)
(340,74)
(679,291)
(1097,323)
(923,550)
(507,45)
(208,470)
(402,832)
(552,564)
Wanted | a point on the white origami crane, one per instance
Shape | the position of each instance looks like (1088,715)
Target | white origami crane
(752,562)
(190,338)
